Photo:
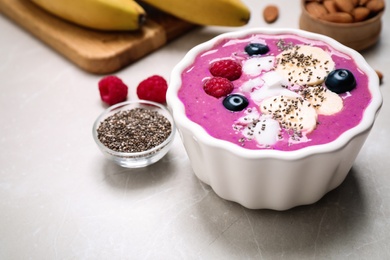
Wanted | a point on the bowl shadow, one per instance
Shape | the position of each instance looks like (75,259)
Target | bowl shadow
(118,177)
(303,231)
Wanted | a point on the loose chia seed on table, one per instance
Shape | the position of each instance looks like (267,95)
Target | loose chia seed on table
(134,130)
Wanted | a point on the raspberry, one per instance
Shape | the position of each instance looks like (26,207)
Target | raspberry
(218,87)
(153,88)
(229,69)
(112,90)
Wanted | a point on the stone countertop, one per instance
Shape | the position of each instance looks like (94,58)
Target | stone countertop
(61,199)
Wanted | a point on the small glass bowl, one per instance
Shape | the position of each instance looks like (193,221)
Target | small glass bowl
(136,159)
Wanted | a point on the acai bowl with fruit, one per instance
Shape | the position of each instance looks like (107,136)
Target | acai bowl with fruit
(273,118)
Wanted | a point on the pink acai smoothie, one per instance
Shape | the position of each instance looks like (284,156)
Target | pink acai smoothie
(293,69)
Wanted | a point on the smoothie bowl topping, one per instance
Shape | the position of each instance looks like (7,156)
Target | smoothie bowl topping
(297,89)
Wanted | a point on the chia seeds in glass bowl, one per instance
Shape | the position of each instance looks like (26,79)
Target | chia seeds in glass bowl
(134,134)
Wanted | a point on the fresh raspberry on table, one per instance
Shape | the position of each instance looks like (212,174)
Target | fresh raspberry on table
(153,88)
(229,69)
(112,90)
(218,87)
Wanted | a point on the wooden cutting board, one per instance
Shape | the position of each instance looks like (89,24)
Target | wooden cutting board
(95,51)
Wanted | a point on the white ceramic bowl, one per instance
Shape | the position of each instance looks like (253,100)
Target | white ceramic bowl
(271,179)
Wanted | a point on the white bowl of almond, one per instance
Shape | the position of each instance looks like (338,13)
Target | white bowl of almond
(273,118)
(354,23)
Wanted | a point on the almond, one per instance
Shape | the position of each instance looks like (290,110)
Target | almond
(360,13)
(355,3)
(344,5)
(271,13)
(380,76)
(376,6)
(330,6)
(363,2)
(316,9)
(339,17)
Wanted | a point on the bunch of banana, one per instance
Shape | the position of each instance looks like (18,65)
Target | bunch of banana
(117,15)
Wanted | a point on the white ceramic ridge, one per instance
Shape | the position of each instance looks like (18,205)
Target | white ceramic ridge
(270,178)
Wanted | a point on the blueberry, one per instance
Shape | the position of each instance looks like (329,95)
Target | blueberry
(256,48)
(235,102)
(340,81)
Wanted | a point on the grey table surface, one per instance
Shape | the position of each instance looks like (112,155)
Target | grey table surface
(60,198)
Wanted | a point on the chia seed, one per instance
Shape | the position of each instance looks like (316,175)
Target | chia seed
(134,130)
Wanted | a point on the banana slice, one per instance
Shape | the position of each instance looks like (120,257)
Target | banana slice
(323,100)
(304,65)
(292,112)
